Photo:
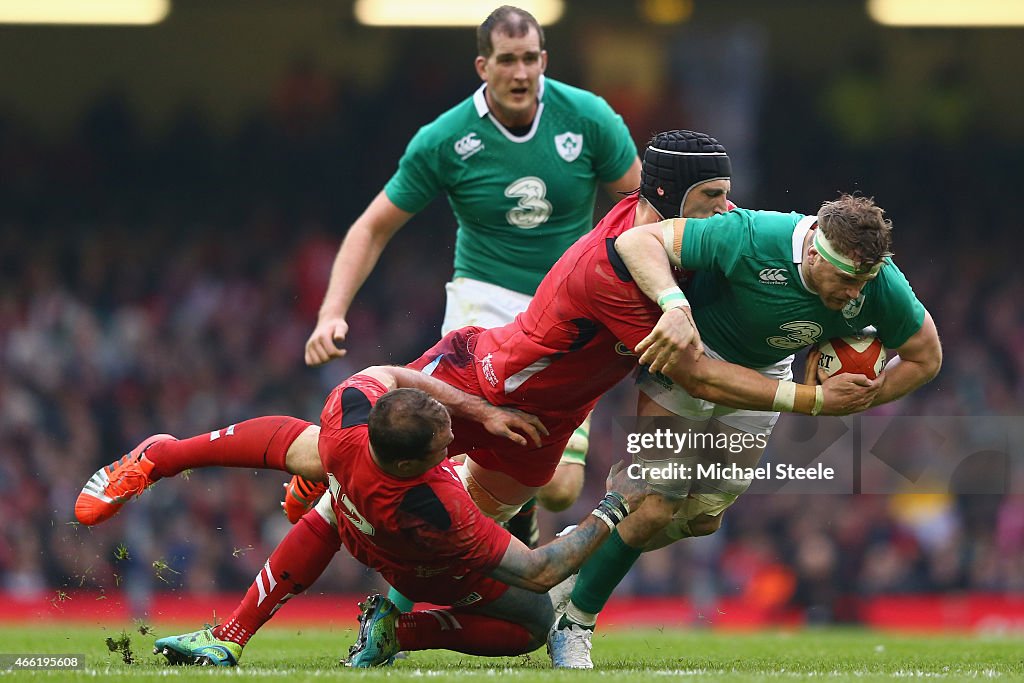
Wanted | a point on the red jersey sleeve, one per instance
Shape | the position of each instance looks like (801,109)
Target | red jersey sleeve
(615,300)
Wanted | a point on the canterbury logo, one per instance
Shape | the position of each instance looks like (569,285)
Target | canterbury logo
(623,350)
(773,276)
(467,146)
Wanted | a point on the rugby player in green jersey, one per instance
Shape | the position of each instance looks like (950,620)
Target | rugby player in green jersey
(767,284)
(520,161)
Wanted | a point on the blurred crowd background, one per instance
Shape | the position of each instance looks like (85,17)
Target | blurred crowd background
(161,265)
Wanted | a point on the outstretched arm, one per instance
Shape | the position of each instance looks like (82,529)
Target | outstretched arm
(541,569)
(356,257)
(739,387)
(516,426)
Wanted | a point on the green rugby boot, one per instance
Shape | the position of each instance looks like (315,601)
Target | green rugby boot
(200,648)
(376,644)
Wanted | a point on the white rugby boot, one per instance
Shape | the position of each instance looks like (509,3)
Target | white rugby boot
(569,645)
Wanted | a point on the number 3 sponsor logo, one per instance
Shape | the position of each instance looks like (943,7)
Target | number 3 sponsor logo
(533,209)
(801,333)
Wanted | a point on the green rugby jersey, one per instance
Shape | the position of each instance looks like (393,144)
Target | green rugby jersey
(519,201)
(750,303)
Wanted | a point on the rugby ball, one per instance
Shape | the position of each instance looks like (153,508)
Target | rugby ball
(862,355)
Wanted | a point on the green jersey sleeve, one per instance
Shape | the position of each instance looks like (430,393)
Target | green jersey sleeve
(418,179)
(717,243)
(615,148)
(898,314)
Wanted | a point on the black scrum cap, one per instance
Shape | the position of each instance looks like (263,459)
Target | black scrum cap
(674,163)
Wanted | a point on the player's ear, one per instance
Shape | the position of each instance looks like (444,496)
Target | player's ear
(408,468)
(481,67)
(543,60)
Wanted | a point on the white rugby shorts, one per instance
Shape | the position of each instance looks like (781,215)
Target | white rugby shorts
(674,398)
(472,302)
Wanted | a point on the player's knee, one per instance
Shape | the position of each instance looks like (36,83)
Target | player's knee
(705,525)
(484,499)
(303,455)
(556,500)
(563,490)
(653,515)
(536,641)
(579,443)
(538,627)
(532,611)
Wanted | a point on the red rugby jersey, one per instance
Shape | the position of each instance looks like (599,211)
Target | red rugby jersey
(575,340)
(424,535)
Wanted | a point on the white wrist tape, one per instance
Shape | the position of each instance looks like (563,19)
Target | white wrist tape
(785,397)
(672,297)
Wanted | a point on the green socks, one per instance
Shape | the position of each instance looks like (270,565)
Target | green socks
(602,573)
(403,603)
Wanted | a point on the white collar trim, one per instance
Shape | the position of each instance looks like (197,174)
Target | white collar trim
(482,110)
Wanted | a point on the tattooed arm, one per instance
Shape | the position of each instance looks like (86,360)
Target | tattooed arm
(541,569)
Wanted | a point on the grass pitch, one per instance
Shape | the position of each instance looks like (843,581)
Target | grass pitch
(289,654)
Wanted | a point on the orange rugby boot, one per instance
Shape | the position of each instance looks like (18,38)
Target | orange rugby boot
(117,483)
(300,495)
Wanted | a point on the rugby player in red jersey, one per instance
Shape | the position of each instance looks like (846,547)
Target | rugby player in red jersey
(398,506)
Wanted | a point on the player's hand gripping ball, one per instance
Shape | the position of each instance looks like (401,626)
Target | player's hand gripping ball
(862,355)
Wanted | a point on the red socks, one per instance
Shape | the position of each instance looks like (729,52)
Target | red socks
(294,565)
(451,629)
(260,443)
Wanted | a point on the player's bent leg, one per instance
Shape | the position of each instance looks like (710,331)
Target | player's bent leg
(261,443)
(512,623)
(532,611)
(612,561)
(498,495)
(678,529)
(564,488)
(306,486)
(303,455)
(569,642)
